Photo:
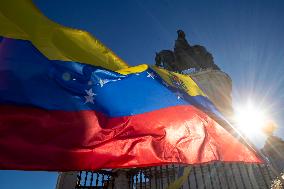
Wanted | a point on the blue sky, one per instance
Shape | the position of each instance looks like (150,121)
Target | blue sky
(245,38)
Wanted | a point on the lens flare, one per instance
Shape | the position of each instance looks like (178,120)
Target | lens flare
(250,119)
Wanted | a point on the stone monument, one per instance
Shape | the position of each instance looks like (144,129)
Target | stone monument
(185,57)
(197,62)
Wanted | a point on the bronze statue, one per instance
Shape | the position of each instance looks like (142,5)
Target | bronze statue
(181,34)
(166,59)
(185,57)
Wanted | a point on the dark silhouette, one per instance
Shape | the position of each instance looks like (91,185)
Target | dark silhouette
(185,57)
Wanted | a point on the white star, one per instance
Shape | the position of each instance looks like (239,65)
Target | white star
(137,74)
(179,95)
(90,92)
(101,82)
(90,96)
(151,74)
(89,99)
(118,79)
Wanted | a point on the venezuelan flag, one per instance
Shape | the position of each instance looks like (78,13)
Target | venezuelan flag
(82,108)
(58,115)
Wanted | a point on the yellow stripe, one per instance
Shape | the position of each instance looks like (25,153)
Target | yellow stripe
(135,69)
(185,82)
(20,19)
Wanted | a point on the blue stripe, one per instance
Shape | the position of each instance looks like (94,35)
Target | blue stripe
(28,78)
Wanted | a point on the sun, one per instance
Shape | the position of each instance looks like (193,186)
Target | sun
(250,119)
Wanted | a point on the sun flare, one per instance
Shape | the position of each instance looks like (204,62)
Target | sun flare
(250,119)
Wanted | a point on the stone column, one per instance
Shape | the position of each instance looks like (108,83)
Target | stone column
(217,85)
(66,180)
(121,180)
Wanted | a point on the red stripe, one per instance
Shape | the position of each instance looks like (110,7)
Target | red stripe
(35,139)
